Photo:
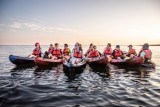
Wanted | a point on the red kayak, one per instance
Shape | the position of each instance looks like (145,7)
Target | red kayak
(47,62)
(136,61)
(98,61)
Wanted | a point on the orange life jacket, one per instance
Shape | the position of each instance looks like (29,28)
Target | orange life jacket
(108,51)
(118,53)
(77,54)
(37,52)
(57,52)
(148,54)
(66,51)
(132,51)
(94,53)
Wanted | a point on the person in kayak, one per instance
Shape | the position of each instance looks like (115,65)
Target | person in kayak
(56,52)
(108,50)
(117,53)
(93,53)
(77,54)
(66,50)
(49,51)
(131,52)
(146,53)
(50,48)
(90,49)
(37,52)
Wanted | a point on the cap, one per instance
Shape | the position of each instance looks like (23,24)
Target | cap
(37,43)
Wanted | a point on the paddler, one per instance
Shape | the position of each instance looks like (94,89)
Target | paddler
(37,52)
(117,53)
(146,53)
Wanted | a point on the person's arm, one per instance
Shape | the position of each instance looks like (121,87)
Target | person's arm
(135,53)
(72,54)
(83,57)
(69,52)
(104,52)
(113,53)
(87,52)
(142,54)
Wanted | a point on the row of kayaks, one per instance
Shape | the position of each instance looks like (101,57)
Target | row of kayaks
(76,63)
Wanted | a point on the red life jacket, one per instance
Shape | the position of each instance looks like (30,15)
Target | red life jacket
(56,52)
(77,54)
(66,51)
(90,49)
(37,52)
(132,51)
(118,53)
(108,51)
(50,50)
(148,54)
(94,53)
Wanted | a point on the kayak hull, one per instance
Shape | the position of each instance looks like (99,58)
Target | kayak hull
(151,65)
(136,61)
(18,60)
(41,62)
(98,61)
(81,64)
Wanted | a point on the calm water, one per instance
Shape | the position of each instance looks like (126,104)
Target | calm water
(113,86)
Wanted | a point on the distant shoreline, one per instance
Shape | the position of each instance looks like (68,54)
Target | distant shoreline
(82,45)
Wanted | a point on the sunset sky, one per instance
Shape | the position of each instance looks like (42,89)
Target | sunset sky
(24,22)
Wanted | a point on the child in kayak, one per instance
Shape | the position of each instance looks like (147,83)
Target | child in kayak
(50,48)
(146,53)
(49,51)
(66,52)
(131,52)
(93,53)
(56,52)
(90,49)
(117,53)
(36,52)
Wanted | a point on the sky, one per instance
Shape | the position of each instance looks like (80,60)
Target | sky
(24,22)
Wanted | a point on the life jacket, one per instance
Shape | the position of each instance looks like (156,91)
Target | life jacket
(148,54)
(37,52)
(56,52)
(108,51)
(90,49)
(50,50)
(94,53)
(118,53)
(132,51)
(66,51)
(77,54)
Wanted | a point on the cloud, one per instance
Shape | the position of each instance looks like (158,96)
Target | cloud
(16,25)
(36,27)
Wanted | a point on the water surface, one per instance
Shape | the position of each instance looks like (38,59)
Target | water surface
(57,87)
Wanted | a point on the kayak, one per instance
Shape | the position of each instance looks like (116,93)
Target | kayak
(149,65)
(47,62)
(135,61)
(75,63)
(18,60)
(97,61)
